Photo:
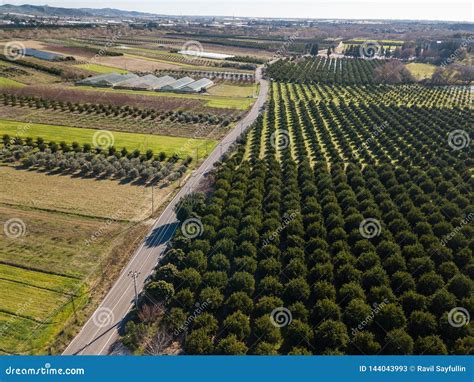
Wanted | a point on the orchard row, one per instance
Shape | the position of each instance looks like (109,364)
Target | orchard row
(324,70)
(334,229)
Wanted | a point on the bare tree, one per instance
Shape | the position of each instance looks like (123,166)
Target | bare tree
(150,313)
(159,343)
(393,72)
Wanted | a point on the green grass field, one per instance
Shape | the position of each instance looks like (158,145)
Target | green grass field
(34,315)
(211,100)
(131,141)
(19,337)
(421,71)
(7,82)
(100,68)
(41,280)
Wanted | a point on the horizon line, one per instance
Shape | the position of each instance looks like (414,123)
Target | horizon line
(246,17)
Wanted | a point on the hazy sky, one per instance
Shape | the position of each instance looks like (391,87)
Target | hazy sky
(459,10)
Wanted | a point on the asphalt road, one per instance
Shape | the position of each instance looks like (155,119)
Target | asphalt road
(101,330)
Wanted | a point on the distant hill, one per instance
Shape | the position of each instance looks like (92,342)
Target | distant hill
(45,10)
(111,12)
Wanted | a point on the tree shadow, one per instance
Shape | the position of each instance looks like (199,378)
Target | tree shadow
(161,234)
(77,174)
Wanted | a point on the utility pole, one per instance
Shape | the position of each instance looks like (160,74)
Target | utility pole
(152,201)
(134,276)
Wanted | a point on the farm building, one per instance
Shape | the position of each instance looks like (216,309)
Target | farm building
(174,86)
(48,56)
(148,82)
(197,86)
(107,80)
(163,81)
